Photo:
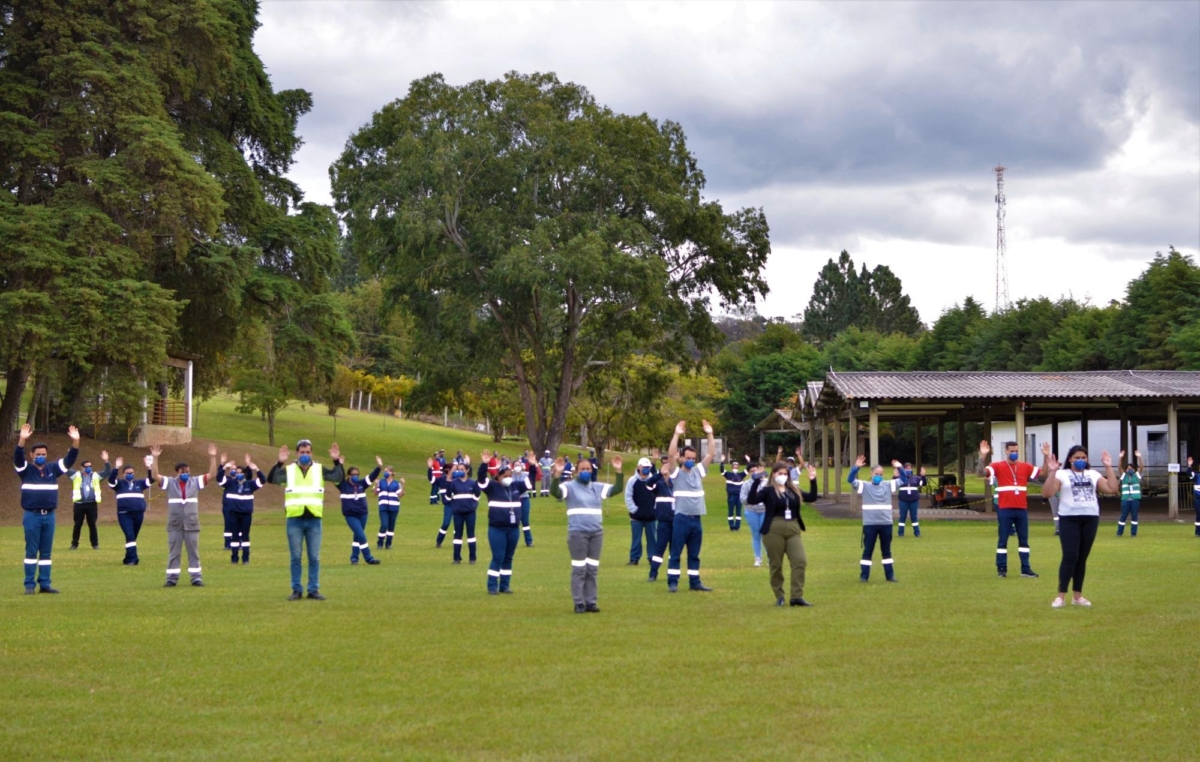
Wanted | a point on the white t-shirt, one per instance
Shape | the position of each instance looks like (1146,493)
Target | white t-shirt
(1077,492)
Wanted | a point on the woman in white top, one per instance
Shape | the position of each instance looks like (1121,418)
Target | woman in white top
(1077,486)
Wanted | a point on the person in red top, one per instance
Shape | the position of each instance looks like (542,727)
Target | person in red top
(1012,477)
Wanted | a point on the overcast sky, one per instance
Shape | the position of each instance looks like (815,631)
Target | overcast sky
(860,126)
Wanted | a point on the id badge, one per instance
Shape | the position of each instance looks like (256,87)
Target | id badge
(787,514)
(512,517)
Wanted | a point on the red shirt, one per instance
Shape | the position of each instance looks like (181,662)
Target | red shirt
(1012,480)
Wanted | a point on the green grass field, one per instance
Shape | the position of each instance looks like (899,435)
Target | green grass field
(412,660)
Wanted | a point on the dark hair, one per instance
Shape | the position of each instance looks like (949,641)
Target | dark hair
(1074,449)
(686,448)
(85,464)
(1010,444)
(180,466)
(39,446)
(503,470)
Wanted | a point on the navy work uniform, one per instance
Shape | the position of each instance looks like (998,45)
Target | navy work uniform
(734,479)
(910,486)
(131,508)
(354,510)
(639,501)
(504,528)
(664,519)
(39,499)
(435,473)
(237,503)
(389,490)
(462,499)
(521,476)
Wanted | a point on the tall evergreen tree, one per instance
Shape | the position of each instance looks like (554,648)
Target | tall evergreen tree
(1161,302)
(872,300)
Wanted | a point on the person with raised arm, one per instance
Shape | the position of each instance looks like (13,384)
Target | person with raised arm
(688,478)
(183,514)
(1012,477)
(585,498)
(1131,494)
(86,498)
(505,495)
(239,486)
(783,525)
(39,500)
(910,495)
(735,477)
(462,500)
(389,490)
(1078,488)
(304,505)
(754,513)
(353,491)
(877,518)
(131,503)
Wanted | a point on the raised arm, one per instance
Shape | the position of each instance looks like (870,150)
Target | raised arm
(336,474)
(19,461)
(107,467)
(152,462)
(984,450)
(73,453)
(1050,487)
(1112,484)
(673,448)
(1140,464)
(859,463)
(811,495)
(212,461)
(712,444)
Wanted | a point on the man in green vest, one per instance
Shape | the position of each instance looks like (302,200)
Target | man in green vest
(1131,494)
(85,495)
(304,504)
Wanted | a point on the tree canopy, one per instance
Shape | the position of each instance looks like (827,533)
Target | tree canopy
(535,230)
(872,300)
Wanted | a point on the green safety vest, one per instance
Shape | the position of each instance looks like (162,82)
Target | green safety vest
(1131,487)
(77,486)
(304,491)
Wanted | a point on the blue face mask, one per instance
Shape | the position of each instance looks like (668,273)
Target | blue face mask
(387,475)
(184,477)
(876,479)
(241,477)
(647,471)
(585,476)
(128,477)
(1079,464)
(40,460)
(304,459)
(1014,455)
(689,463)
(908,472)
(458,474)
(87,469)
(354,478)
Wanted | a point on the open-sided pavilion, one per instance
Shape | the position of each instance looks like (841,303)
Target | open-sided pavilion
(852,405)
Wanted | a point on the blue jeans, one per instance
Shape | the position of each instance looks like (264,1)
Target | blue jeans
(387,524)
(635,549)
(359,544)
(525,527)
(39,540)
(1129,510)
(131,525)
(1008,519)
(908,509)
(503,541)
(301,531)
(755,520)
(687,532)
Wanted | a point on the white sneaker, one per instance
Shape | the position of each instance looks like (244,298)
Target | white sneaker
(758,562)
(1058,603)
(1081,602)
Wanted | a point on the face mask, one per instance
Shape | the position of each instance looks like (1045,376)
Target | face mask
(1079,464)
(240,476)
(1130,470)
(1014,455)
(756,476)
(585,476)
(876,479)
(184,477)
(304,459)
(781,479)
(387,475)
(458,474)
(128,477)
(735,469)
(40,460)
(506,481)
(689,463)
(354,478)
(87,469)
(908,472)
(646,471)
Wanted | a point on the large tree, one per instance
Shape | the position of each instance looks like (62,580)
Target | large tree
(1161,303)
(143,197)
(872,300)
(527,226)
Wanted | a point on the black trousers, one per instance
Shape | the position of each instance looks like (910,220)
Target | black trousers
(1076,534)
(85,511)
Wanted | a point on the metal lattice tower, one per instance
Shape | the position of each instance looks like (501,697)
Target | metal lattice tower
(1001,252)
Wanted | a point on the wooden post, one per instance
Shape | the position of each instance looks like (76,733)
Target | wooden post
(762,445)
(1125,440)
(1172,457)
(1020,420)
(962,465)
(941,445)
(1083,430)
(852,432)
(824,459)
(837,458)
(917,445)
(1054,437)
(873,433)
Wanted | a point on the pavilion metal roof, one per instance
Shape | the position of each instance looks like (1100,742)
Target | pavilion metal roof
(981,385)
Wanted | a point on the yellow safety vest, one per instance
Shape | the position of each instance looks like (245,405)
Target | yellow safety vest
(77,486)
(304,491)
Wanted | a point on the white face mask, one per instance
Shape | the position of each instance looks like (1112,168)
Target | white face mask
(781,479)
(506,481)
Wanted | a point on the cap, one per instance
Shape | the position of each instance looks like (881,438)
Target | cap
(645,463)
